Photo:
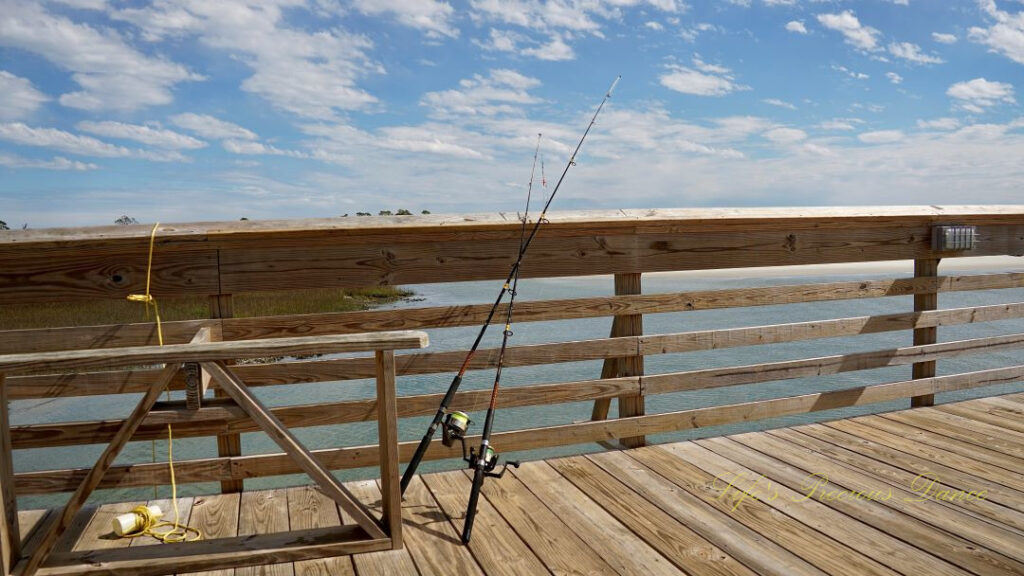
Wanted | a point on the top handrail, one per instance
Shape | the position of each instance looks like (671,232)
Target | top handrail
(210,351)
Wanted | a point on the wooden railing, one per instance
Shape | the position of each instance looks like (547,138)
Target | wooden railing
(203,361)
(219,259)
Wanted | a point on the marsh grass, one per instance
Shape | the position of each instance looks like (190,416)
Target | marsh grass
(247,304)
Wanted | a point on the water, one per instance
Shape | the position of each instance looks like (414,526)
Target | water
(25,412)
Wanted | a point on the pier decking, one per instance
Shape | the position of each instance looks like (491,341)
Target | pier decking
(660,509)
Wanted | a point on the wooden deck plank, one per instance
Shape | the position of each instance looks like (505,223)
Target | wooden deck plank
(976,433)
(611,540)
(993,415)
(263,512)
(920,490)
(968,449)
(561,550)
(431,540)
(309,508)
(672,538)
(949,546)
(385,562)
(805,541)
(931,453)
(861,536)
(495,545)
(958,480)
(98,534)
(740,542)
(216,516)
(978,531)
(1003,401)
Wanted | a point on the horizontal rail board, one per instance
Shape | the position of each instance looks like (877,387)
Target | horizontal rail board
(219,417)
(43,340)
(55,265)
(230,419)
(208,351)
(94,383)
(240,467)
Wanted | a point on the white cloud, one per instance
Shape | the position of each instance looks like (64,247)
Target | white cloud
(785,135)
(850,73)
(503,91)
(18,98)
(1005,36)
(213,128)
(912,52)
(656,26)
(690,34)
(55,139)
(431,16)
(894,77)
(779,103)
(943,38)
(249,147)
(939,124)
(310,73)
(978,94)
(55,163)
(708,80)
(779,2)
(111,74)
(796,26)
(159,137)
(840,124)
(855,33)
(880,137)
(555,50)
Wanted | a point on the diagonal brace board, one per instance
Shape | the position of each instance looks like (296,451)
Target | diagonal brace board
(266,420)
(103,463)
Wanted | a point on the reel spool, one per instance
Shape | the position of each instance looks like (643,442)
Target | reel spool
(490,458)
(456,424)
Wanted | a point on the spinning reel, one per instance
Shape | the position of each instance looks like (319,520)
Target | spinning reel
(454,427)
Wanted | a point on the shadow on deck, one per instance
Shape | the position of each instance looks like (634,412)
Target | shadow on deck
(929,491)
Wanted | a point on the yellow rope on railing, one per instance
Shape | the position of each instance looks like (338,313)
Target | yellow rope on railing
(178,532)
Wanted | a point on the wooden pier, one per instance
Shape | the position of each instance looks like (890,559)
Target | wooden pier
(630,509)
(935,491)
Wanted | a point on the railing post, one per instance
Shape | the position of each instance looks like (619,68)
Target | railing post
(227,444)
(925,268)
(387,433)
(630,325)
(10,537)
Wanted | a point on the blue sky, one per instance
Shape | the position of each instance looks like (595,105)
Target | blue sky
(186,110)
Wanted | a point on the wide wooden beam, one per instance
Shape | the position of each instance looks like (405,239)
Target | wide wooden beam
(216,554)
(211,351)
(94,476)
(631,325)
(295,450)
(201,259)
(10,537)
(925,268)
(228,445)
(387,446)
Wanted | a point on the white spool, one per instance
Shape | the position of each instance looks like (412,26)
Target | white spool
(133,522)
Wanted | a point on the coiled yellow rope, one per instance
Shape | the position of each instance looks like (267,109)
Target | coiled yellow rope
(178,532)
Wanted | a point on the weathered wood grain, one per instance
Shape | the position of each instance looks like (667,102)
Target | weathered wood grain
(876,544)
(949,546)
(207,259)
(216,516)
(309,508)
(925,268)
(211,351)
(10,534)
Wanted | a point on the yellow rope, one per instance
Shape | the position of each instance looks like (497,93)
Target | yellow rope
(177,532)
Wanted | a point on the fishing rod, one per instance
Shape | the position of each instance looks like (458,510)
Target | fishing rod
(483,462)
(456,423)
